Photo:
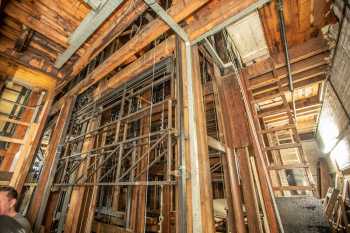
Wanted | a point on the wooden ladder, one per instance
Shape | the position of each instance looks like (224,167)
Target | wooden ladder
(280,141)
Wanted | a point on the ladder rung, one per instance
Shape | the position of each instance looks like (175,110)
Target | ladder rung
(291,188)
(277,128)
(283,146)
(270,97)
(274,112)
(261,84)
(288,166)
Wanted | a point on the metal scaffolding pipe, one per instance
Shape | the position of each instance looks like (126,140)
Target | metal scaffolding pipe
(286,54)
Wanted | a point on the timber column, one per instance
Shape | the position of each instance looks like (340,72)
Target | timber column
(199,190)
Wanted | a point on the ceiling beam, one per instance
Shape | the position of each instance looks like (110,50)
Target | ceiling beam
(208,19)
(26,77)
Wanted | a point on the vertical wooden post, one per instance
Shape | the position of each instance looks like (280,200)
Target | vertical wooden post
(324,179)
(42,191)
(228,194)
(200,201)
(238,137)
(263,175)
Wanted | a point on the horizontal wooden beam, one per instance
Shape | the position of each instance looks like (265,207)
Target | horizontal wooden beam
(292,188)
(299,104)
(207,18)
(26,76)
(309,67)
(283,146)
(288,166)
(215,144)
(161,51)
(17,122)
(110,31)
(11,140)
(297,85)
(310,48)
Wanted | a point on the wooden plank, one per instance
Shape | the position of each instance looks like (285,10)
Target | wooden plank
(287,166)
(39,198)
(237,136)
(76,207)
(12,140)
(99,227)
(125,15)
(308,49)
(215,144)
(161,51)
(26,77)
(292,188)
(140,41)
(148,34)
(19,12)
(309,67)
(283,146)
(324,179)
(203,173)
(277,128)
(17,122)
(264,182)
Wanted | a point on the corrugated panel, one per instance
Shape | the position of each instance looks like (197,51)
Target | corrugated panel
(248,37)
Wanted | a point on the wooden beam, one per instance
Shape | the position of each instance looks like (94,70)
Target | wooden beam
(27,77)
(310,48)
(237,136)
(210,18)
(110,31)
(138,42)
(43,189)
(199,192)
(161,51)
(262,171)
(215,144)
(17,122)
(12,140)
(23,15)
(309,67)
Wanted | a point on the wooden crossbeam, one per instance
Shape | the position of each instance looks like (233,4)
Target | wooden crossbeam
(308,49)
(305,68)
(215,144)
(277,128)
(288,166)
(283,146)
(11,140)
(6,119)
(293,188)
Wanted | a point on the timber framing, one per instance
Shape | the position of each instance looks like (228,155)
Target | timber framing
(141,116)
